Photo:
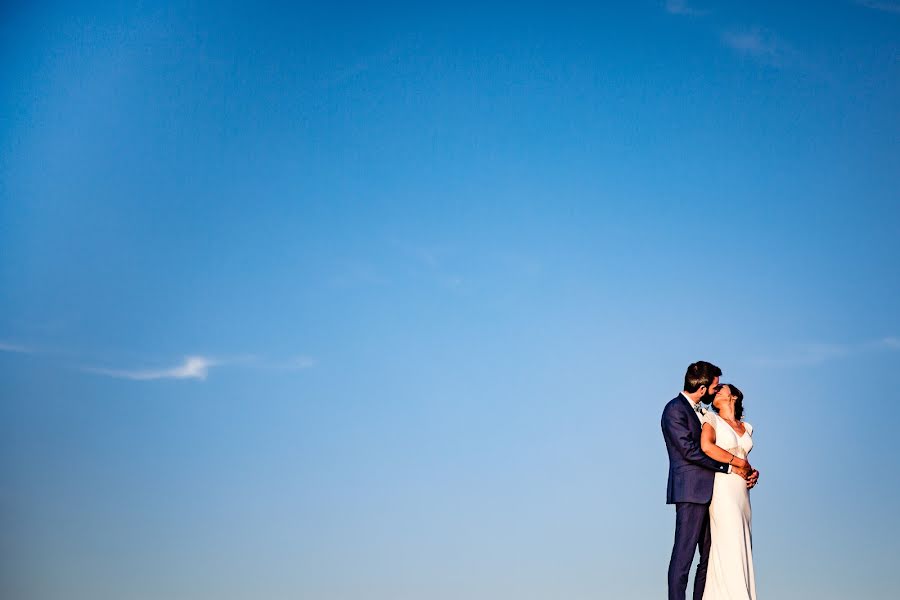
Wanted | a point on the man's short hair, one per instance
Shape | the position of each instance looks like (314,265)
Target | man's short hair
(699,374)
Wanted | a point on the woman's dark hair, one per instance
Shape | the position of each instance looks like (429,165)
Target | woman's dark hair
(738,401)
(699,374)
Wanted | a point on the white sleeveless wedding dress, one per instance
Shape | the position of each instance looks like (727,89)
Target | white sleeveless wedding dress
(729,575)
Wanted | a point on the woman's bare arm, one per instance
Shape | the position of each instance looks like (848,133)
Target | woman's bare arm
(708,445)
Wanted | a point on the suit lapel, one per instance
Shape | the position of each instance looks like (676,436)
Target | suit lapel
(695,422)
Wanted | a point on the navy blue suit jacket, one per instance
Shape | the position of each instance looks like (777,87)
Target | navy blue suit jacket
(691,472)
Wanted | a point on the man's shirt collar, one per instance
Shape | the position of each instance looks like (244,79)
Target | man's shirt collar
(692,403)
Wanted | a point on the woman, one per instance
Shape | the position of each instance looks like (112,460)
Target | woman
(726,438)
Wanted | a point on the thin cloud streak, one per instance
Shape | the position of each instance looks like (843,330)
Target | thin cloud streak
(429,256)
(891,7)
(361,66)
(198,367)
(891,342)
(749,42)
(302,362)
(431,261)
(809,355)
(15,348)
(760,45)
(680,7)
(193,367)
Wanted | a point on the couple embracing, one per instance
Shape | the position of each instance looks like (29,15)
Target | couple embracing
(709,483)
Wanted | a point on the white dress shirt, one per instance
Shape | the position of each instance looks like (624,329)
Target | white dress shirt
(699,416)
(694,406)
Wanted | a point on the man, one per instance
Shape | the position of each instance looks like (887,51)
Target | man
(691,476)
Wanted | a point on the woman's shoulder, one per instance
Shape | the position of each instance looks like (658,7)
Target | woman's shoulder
(748,427)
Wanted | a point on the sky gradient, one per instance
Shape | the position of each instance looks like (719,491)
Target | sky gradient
(384,302)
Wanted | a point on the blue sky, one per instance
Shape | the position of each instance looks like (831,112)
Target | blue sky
(385,302)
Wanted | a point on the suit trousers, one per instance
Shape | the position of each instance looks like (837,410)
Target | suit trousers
(691,531)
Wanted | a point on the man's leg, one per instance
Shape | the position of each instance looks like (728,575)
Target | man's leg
(700,578)
(688,529)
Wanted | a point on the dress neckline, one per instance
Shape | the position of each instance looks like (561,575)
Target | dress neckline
(739,435)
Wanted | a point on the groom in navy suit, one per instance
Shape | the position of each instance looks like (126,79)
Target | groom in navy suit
(691,476)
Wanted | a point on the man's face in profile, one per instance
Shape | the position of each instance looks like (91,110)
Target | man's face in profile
(711,391)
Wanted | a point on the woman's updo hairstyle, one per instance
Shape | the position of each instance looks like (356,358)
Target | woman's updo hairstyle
(738,401)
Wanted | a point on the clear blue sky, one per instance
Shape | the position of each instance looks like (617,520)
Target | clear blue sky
(384,302)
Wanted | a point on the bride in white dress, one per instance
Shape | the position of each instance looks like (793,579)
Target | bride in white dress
(726,438)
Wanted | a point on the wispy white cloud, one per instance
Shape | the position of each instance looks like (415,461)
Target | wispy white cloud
(806,355)
(882,5)
(15,348)
(681,7)
(761,45)
(362,65)
(891,342)
(299,362)
(198,367)
(193,367)
(428,256)
(432,263)
(302,362)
